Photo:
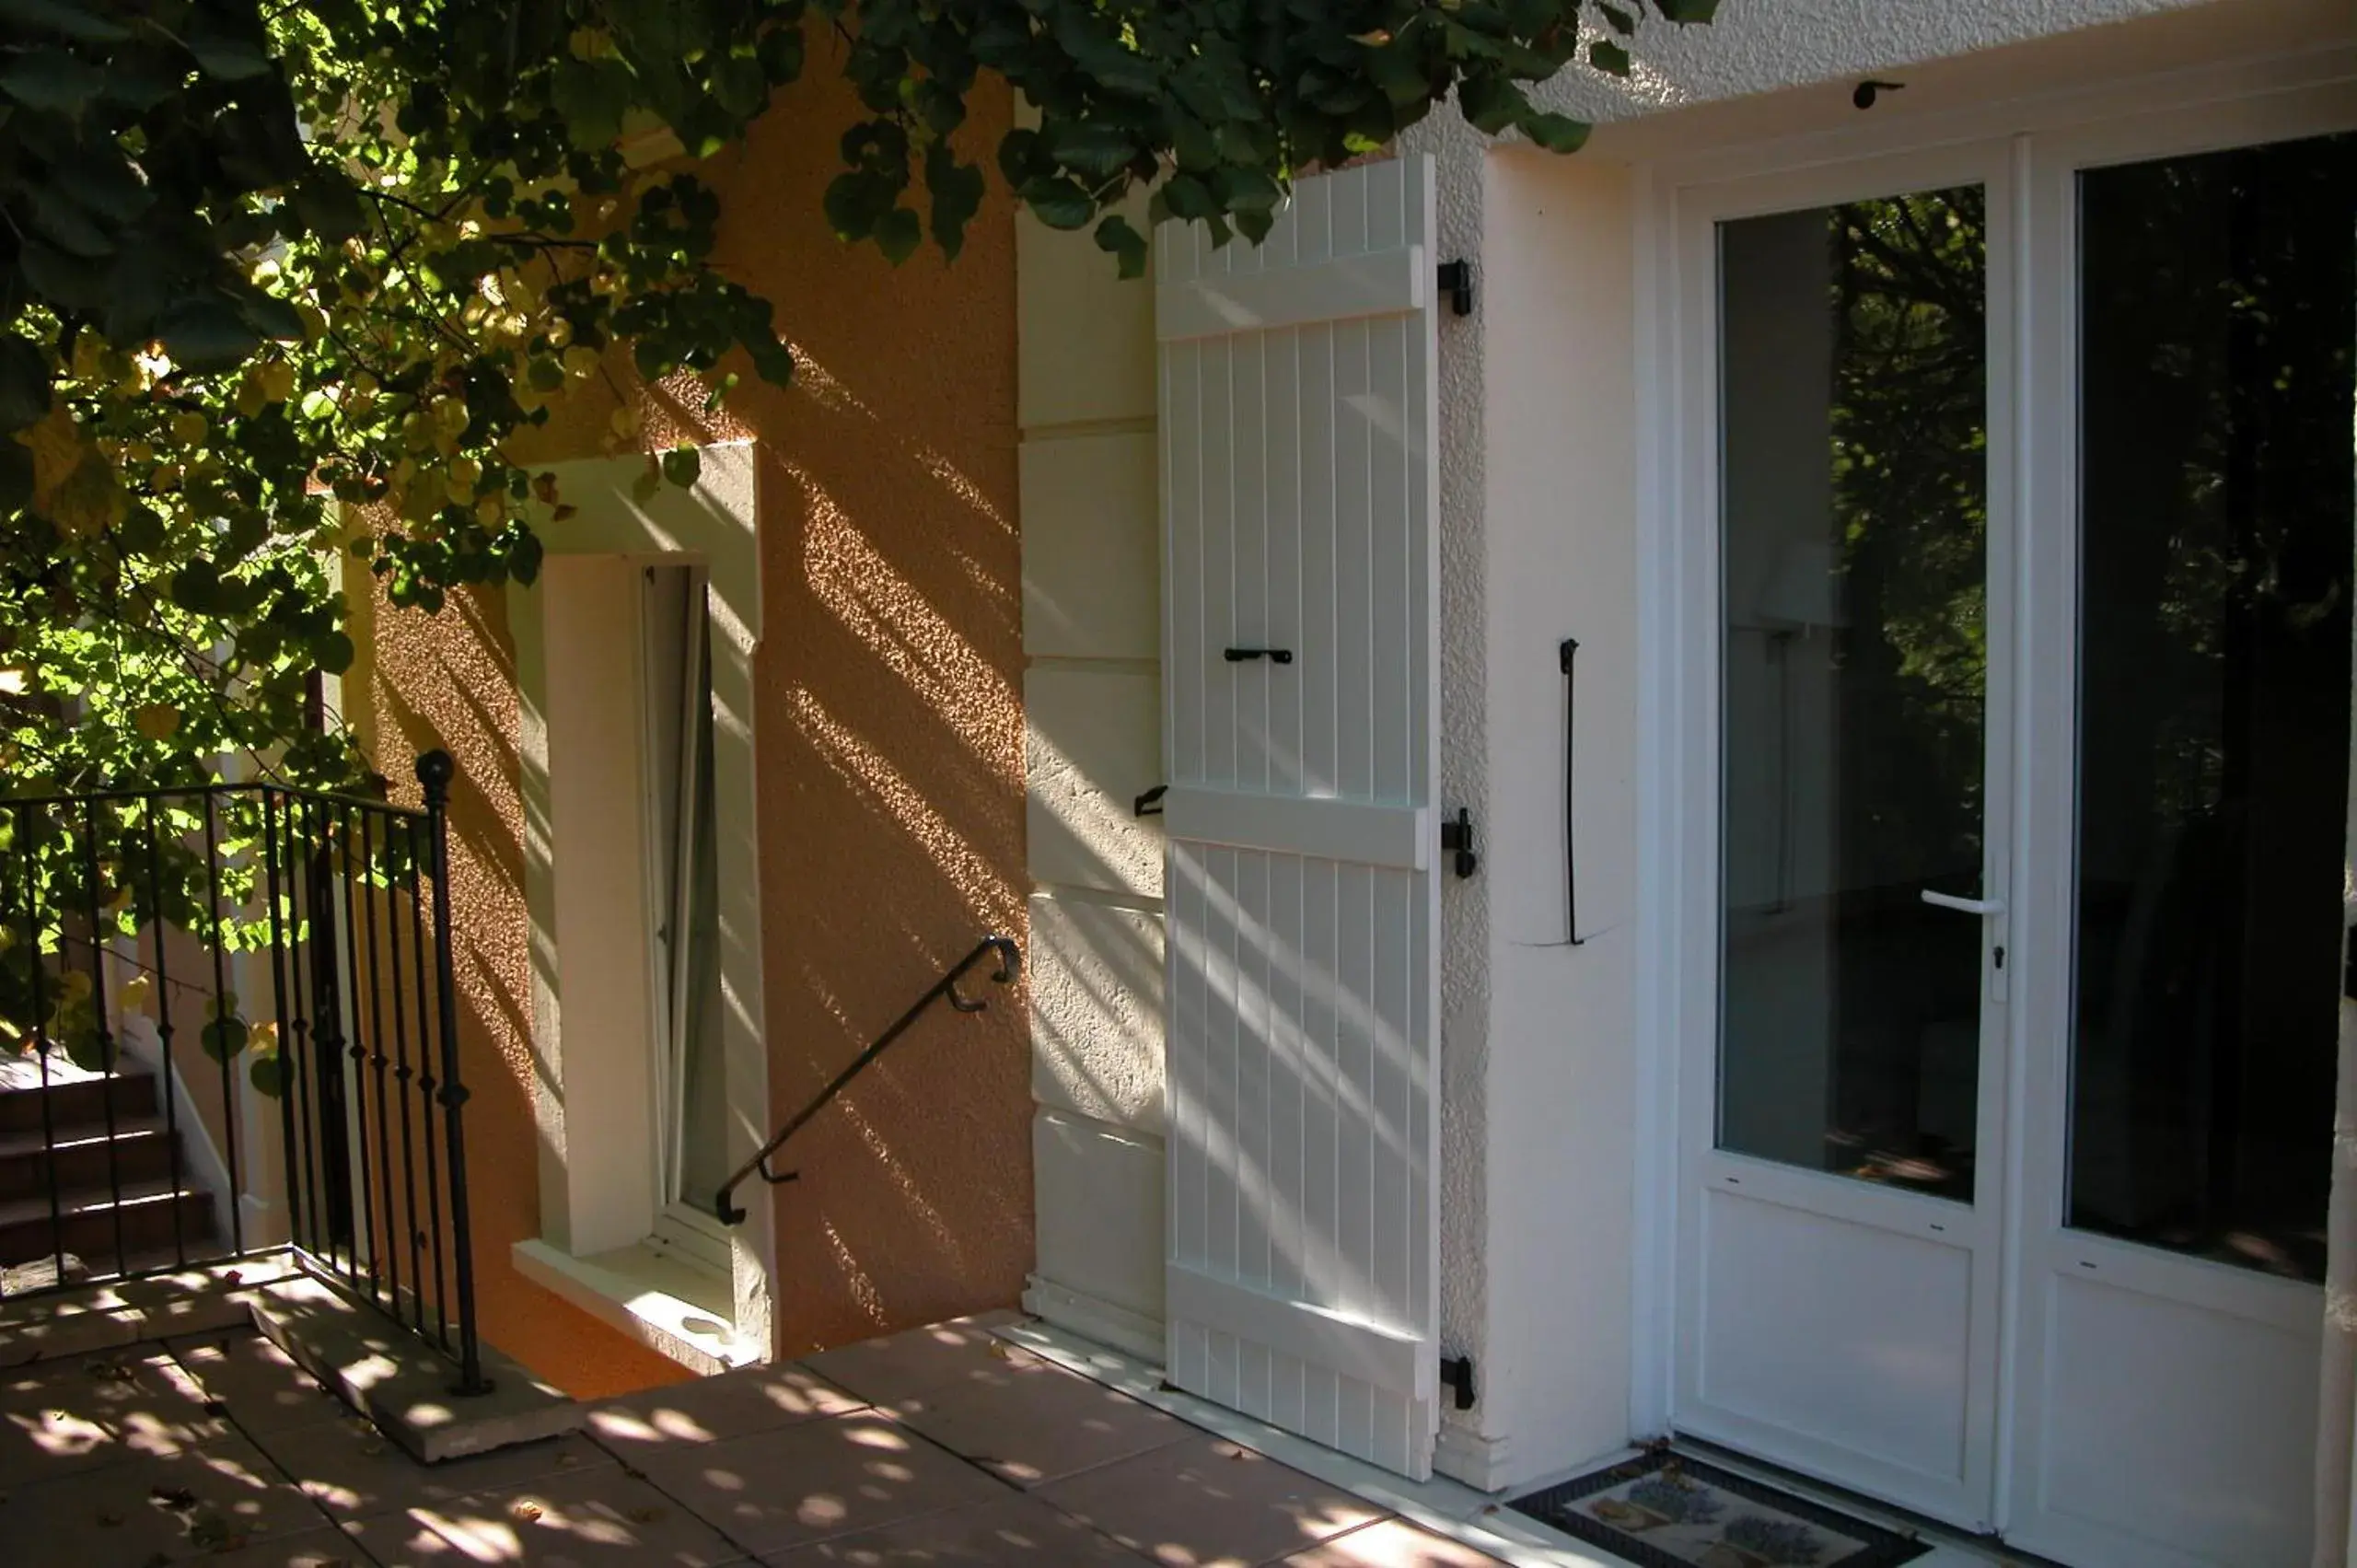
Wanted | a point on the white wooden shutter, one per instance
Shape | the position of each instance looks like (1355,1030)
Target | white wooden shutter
(1299,494)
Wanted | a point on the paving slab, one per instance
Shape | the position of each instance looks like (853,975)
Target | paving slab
(1393,1543)
(258,1385)
(903,1365)
(1206,1501)
(1016,1532)
(352,1470)
(1029,1422)
(62,1417)
(599,1519)
(156,1509)
(712,1409)
(817,1479)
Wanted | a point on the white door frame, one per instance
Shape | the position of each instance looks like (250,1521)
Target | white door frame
(2040,144)
(1975,1230)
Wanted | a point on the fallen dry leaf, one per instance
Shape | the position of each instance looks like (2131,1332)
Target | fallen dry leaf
(525,1510)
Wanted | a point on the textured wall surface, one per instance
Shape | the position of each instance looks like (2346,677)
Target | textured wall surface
(1758,46)
(1092,597)
(890,748)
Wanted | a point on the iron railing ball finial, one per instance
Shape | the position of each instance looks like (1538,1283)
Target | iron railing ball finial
(436,769)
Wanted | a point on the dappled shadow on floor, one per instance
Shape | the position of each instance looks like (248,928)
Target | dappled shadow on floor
(940,1445)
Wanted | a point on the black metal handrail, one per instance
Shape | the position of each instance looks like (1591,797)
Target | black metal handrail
(1010,962)
(336,906)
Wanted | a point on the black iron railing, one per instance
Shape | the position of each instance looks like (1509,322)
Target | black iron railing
(178,967)
(1010,961)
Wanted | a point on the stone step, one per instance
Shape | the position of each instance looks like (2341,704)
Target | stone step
(105,1224)
(404,1386)
(84,1155)
(71,1101)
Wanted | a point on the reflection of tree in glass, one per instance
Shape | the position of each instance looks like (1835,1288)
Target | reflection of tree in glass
(1909,444)
(2216,343)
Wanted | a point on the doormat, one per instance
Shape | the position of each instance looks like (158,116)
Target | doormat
(1665,1510)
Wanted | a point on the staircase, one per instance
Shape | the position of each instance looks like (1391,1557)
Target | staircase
(91,1178)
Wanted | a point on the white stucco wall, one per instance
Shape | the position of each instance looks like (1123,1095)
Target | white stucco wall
(1545,1244)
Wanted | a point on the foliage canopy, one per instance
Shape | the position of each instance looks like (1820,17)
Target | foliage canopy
(282,281)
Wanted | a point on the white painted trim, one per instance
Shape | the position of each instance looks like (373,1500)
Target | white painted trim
(1373,1352)
(1481,1462)
(714,524)
(1329,829)
(636,1290)
(1096,1318)
(2218,94)
(1378,282)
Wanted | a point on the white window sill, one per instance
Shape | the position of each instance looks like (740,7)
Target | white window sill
(670,1306)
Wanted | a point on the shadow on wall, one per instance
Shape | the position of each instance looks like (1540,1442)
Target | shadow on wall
(888,737)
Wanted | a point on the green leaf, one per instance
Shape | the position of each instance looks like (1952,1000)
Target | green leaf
(739,84)
(592,96)
(333,652)
(898,234)
(207,333)
(223,1037)
(1556,133)
(780,51)
(957,189)
(1093,148)
(231,58)
(1492,103)
(1619,20)
(682,465)
(267,1074)
(63,20)
(67,227)
(1115,235)
(51,79)
(1609,57)
(854,204)
(328,206)
(24,386)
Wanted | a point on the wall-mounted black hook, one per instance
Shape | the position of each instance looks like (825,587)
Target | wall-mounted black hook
(1456,837)
(1150,803)
(1274,655)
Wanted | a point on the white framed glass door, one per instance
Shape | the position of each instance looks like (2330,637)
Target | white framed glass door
(2016,734)
(1842,1111)
(2192,397)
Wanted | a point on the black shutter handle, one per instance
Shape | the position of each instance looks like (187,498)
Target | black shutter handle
(1274,655)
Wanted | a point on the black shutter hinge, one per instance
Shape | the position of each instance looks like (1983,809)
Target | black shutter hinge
(1150,803)
(1456,1374)
(1457,281)
(1457,838)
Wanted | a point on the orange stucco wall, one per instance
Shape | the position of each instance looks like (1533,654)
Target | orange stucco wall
(888,739)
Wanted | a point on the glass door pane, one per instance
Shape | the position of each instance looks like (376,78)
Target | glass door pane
(2219,308)
(1853,482)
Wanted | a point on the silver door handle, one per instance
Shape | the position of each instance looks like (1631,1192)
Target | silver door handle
(1964,906)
